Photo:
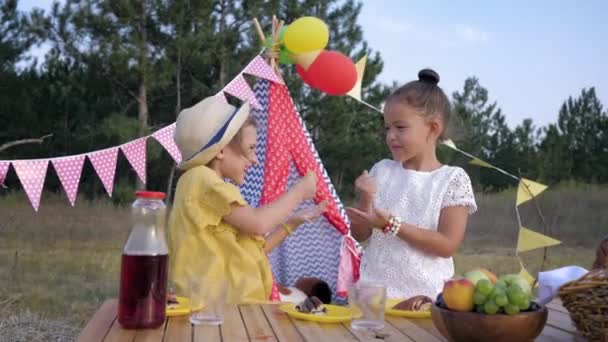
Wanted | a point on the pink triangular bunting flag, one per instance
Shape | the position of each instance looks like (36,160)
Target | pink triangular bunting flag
(4,164)
(258,67)
(104,163)
(31,174)
(135,151)
(69,171)
(239,88)
(165,137)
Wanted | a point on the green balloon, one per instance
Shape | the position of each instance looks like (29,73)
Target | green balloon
(284,57)
(282,33)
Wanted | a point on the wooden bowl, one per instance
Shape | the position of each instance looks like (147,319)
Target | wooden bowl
(471,326)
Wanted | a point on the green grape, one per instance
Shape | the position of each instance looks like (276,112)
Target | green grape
(524,305)
(511,309)
(517,297)
(490,307)
(479,298)
(501,300)
(485,287)
(479,308)
(501,283)
(515,287)
(498,291)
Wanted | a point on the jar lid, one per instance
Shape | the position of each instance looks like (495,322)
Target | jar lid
(150,194)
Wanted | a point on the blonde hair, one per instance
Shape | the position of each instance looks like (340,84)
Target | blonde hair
(237,140)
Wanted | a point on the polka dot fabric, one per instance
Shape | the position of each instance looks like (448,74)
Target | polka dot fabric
(164,137)
(104,163)
(287,141)
(135,151)
(3,170)
(258,67)
(69,171)
(31,174)
(239,88)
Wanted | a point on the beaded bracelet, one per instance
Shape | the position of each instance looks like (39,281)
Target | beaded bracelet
(287,228)
(393,226)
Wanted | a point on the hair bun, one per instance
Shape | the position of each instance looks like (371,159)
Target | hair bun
(428,76)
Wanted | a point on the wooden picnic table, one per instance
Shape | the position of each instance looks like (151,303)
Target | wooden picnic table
(267,323)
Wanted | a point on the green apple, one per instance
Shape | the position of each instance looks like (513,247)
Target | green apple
(516,279)
(475,275)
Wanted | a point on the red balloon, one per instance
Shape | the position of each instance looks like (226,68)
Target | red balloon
(304,76)
(332,72)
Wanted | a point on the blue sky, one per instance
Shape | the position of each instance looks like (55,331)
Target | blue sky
(530,55)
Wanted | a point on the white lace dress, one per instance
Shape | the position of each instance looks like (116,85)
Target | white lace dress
(417,198)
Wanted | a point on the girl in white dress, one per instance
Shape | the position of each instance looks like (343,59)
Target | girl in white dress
(412,210)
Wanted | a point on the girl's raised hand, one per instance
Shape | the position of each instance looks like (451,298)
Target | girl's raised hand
(307,186)
(377,218)
(308,215)
(366,185)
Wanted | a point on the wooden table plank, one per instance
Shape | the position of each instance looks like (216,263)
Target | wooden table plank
(205,333)
(233,328)
(151,335)
(100,324)
(413,331)
(118,334)
(178,329)
(256,324)
(281,324)
(561,321)
(388,333)
(550,333)
(428,325)
(557,305)
(317,332)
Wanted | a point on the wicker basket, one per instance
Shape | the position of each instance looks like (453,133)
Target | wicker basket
(587,301)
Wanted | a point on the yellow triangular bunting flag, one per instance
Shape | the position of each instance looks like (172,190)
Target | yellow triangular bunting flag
(525,274)
(305,59)
(529,240)
(356,91)
(449,143)
(527,189)
(480,162)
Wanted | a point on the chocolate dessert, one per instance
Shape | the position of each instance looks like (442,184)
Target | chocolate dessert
(416,303)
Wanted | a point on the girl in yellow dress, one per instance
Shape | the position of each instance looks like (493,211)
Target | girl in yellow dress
(214,234)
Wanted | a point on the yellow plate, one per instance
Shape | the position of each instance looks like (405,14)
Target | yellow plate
(404,313)
(335,314)
(182,307)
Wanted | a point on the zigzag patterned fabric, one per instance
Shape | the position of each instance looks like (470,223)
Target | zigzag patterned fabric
(315,248)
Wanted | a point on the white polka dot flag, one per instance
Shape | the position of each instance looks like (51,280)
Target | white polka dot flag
(31,174)
(104,163)
(135,151)
(239,88)
(165,137)
(69,170)
(4,164)
(258,67)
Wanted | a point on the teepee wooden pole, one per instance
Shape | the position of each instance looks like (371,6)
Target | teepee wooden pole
(258,29)
(271,53)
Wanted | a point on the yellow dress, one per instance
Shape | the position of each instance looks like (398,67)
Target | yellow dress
(202,245)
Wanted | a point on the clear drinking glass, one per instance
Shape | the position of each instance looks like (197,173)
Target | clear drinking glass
(207,300)
(368,302)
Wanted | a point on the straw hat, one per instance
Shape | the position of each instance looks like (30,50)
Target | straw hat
(204,129)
